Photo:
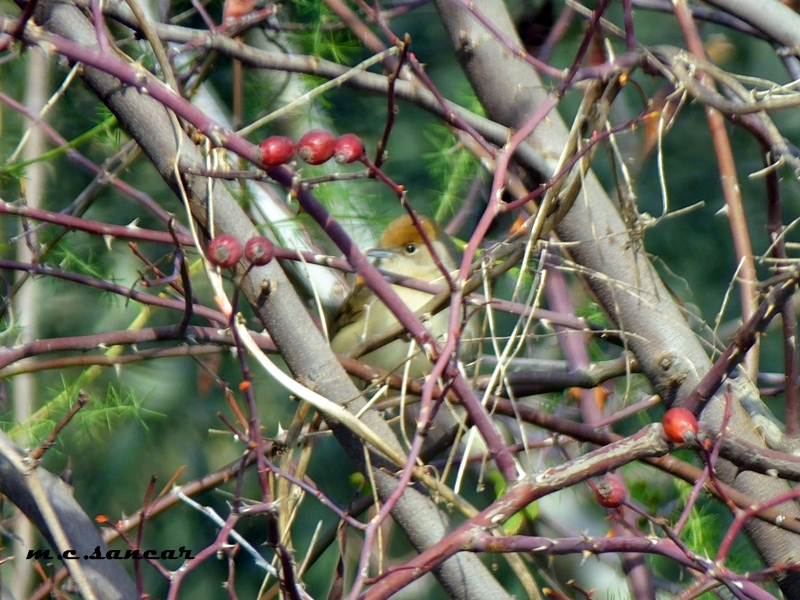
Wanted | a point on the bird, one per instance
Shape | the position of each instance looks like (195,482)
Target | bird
(401,250)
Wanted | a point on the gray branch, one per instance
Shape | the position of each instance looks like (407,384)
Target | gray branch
(619,273)
(282,313)
(106,578)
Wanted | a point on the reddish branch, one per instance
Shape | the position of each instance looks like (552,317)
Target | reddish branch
(747,335)
(107,286)
(791,362)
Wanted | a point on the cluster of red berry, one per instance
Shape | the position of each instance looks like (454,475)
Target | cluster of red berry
(315,147)
(225,251)
(680,426)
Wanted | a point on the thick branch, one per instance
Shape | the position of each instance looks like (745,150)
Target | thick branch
(106,578)
(282,313)
(772,18)
(618,272)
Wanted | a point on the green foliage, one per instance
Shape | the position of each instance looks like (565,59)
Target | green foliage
(517,521)
(452,166)
(318,38)
(702,527)
(106,132)
(593,314)
(258,100)
(9,327)
(118,406)
(65,257)
(109,133)
(652,497)
(244,195)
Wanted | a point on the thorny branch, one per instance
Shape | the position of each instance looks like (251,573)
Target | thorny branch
(742,100)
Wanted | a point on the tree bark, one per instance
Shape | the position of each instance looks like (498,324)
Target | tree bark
(285,318)
(618,272)
(107,578)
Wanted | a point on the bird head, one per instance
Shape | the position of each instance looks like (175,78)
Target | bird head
(402,249)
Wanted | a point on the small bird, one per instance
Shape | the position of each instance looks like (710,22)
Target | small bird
(402,251)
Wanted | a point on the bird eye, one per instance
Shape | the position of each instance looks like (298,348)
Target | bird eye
(411,248)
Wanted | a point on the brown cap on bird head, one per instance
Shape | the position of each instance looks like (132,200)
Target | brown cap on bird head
(402,231)
(403,238)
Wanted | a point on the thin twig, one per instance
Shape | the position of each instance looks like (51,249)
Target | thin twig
(50,440)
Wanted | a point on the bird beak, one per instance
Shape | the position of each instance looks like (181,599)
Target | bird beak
(378,253)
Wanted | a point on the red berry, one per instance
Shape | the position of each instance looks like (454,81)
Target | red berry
(224,251)
(316,146)
(680,425)
(609,491)
(349,148)
(277,150)
(259,251)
